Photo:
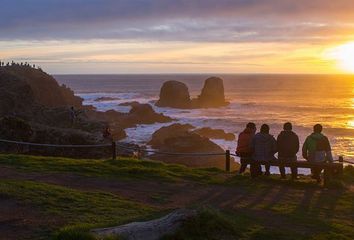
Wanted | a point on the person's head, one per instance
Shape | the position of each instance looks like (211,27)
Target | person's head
(251,126)
(288,126)
(265,128)
(317,128)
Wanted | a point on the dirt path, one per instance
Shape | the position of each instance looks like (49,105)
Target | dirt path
(164,195)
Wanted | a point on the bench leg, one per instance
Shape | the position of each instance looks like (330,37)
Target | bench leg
(327,176)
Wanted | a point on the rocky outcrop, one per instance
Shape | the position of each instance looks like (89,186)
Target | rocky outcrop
(145,114)
(177,138)
(129,104)
(45,89)
(159,137)
(35,108)
(212,94)
(16,96)
(215,133)
(103,99)
(139,114)
(174,94)
(150,230)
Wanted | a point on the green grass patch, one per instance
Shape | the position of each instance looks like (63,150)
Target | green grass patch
(80,209)
(122,168)
(212,224)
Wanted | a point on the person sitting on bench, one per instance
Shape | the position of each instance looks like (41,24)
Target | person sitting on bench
(287,146)
(263,147)
(317,149)
(243,149)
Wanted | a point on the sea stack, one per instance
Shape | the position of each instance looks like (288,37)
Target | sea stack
(174,94)
(212,94)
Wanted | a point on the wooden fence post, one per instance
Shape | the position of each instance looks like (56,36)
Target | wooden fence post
(114,150)
(227,162)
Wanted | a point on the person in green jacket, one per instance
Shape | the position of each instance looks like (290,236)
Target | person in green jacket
(317,148)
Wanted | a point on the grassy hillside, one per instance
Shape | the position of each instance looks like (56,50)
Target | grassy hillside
(60,198)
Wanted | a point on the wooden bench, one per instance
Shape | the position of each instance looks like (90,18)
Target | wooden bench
(331,169)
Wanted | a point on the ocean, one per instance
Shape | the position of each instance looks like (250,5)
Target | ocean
(274,99)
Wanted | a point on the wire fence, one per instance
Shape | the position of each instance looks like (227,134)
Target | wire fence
(134,148)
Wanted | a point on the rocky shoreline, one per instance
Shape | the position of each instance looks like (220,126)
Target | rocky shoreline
(35,108)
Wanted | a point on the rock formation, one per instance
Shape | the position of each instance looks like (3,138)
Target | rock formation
(174,130)
(15,94)
(212,94)
(129,104)
(150,230)
(175,94)
(102,99)
(177,138)
(45,89)
(139,114)
(215,133)
(35,108)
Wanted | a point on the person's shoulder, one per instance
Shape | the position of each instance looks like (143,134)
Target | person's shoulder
(294,134)
(325,137)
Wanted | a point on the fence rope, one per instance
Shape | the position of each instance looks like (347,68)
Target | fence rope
(122,145)
(169,153)
(54,145)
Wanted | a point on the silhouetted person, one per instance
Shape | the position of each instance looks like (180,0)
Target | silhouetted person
(243,149)
(72,115)
(106,133)
(263,146)
(287,146)
(317,148)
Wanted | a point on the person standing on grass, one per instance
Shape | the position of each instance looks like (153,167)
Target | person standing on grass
(317,149)
(243,149)
(287,146)
(263,148)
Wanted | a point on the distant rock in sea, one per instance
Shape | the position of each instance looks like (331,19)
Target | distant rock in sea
(103,99)
(129,104)
(175,94)
(139,114)
(212,94)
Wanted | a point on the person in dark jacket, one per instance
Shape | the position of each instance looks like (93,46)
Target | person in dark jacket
(243,149)
(263,148)
(317,148)
(287,146)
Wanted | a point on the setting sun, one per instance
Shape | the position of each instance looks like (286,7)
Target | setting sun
(344,56)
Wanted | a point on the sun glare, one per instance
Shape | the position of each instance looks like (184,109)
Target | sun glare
(344,56)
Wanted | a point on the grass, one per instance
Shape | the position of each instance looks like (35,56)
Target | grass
(122,168)
(212,224)
(263,208)
(78,209)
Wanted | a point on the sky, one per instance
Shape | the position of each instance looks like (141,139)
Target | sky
(179,36)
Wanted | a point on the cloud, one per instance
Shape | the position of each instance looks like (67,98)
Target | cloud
(177,20)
